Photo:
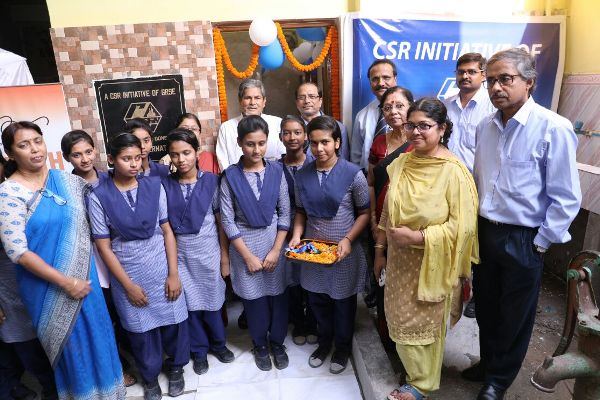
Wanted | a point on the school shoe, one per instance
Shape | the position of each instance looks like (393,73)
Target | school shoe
(152,391)
(200,366)
(317,358)
(312,338)
(280,357)
(224,355)
(298,336)
(176,382)
(339,361)
(489,392)
(261,358)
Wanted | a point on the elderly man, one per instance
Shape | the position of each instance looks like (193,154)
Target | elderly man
(369,121)
(251,95)
(529,194)
(468,107)
(309,99)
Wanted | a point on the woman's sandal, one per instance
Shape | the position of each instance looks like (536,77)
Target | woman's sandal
(129,379)
(395,395)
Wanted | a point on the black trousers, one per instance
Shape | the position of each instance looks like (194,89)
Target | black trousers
(335,320)
(506,287)
(267,318)
(300,313)
(17,357)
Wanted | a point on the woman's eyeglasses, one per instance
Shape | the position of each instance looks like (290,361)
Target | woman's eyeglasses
(422,127)
(51,195)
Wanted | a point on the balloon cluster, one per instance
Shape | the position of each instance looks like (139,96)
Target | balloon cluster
(263,32)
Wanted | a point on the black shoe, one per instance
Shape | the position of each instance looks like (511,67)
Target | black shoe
(371,299)
(224,355)
(261,358)
(475,373)
(176,382)
(339,362)
(22,392)
(489,392)
(470,309)
(298,336)
(242,321)
(200,366)
(317,358)
(280,357)
(152,391)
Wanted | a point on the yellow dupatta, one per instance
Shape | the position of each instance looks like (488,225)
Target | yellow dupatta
(437,195)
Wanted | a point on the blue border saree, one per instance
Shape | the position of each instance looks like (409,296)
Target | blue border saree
(77,335)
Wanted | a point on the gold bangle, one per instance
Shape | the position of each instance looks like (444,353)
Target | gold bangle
(379,246)
(74,283)
(422,234)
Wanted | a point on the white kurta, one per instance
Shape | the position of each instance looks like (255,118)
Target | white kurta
(363,133)
(228,151)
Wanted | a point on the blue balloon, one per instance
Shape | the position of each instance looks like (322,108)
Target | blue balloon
(271,56)
(309,61)
(311,34)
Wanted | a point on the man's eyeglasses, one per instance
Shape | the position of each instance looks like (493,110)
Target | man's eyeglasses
(503,80)
(470,72)
(310,97)
(51,195)
(389,107)
(422,127)
(191,128)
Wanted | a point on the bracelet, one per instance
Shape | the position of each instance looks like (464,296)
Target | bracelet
(422,234)
(74,283)
(379,246)
(346,237)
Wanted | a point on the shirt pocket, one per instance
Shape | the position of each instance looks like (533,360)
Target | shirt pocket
(468,135)
(520,178)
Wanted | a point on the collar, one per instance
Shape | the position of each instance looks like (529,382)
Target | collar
(520,117)
(478,98)
(305,121)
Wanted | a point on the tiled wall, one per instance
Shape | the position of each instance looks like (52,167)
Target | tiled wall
(127,51)
(580,101)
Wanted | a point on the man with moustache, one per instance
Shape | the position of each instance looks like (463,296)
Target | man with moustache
(309,99)
(528,184)
(468,107)
(252,98)
(369,121)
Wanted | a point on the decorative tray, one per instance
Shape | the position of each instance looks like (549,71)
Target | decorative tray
(314,251)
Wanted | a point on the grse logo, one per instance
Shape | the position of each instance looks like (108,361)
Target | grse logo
(146,111)
(448,89)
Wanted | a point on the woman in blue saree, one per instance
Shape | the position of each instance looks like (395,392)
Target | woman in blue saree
(44,230)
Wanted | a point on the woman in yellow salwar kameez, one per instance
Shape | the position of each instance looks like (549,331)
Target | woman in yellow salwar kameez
(429,227)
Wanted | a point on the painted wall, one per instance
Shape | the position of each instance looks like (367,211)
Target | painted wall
(583,31)
(66,13)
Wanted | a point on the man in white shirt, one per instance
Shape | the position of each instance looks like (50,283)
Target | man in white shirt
(467,108)
(369,121)
(252,98)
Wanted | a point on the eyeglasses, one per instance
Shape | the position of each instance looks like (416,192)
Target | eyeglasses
(191,128)
(503,80)
(470,72)
(422,127)
(51,195)
(395,106)
(310,97)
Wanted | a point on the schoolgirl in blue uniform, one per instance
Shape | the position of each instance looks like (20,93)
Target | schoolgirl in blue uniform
(142,131)
(293,136)
(329,193)
(78,148)
(255,211)
(193,200)
(129,221)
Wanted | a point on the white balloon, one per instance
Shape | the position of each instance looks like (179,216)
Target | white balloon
(263,31)
(303,52)
(317,50)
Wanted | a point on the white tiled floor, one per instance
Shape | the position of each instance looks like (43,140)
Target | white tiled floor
(242,379)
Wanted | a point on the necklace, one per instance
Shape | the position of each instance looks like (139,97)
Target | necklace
(388,143)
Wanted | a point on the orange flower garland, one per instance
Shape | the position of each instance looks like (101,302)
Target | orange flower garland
(222,55)
(335,76)
(290,56)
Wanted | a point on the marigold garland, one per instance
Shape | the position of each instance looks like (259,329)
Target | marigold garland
(290,56)
(335,76)
(222,56)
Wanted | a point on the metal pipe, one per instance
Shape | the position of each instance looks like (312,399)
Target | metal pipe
(566,366)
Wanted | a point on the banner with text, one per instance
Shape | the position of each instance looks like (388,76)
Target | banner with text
(43,105)
(158,100)
(425,53)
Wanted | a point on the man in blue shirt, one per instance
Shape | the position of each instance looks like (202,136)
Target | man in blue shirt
(529,194)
